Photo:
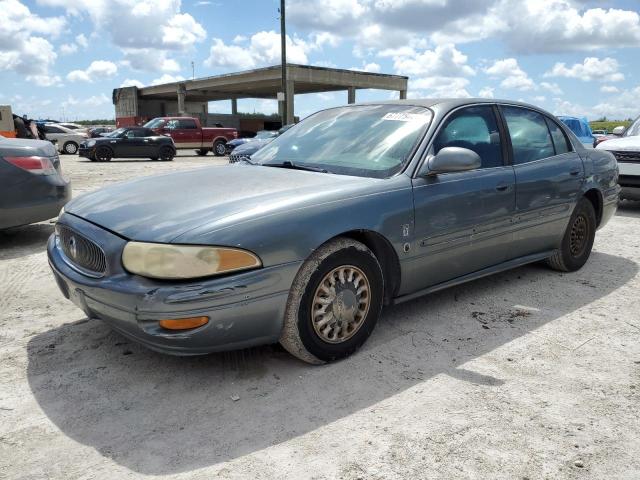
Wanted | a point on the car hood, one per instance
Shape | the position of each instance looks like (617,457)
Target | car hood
(621,144)
(161,208)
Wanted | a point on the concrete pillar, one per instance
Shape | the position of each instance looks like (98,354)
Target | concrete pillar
(234,106)
(182,95)
(289,102)
(351,95)
(403,94)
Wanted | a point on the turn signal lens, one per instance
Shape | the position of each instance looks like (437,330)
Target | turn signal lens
(166,261)
(184,323)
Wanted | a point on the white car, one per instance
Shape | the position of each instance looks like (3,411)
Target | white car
(68,140)
(627,151)
(73,126)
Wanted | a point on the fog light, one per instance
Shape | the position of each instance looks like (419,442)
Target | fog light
(184,323)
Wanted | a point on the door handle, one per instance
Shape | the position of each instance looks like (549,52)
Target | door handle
(503,187)
(574,172)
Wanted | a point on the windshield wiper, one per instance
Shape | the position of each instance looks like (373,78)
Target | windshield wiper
(296,166)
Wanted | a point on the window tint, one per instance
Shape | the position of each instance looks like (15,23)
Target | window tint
(560,141)
(474,128)
(50,129)
(529,135)
(186,124)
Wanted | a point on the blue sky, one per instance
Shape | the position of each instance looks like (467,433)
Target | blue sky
(64,57)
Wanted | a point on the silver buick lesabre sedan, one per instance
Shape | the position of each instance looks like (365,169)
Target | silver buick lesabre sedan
(353,208)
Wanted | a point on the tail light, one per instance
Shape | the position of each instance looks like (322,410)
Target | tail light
(35,165)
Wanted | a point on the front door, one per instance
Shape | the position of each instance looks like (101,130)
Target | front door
(185,133)
(463,219)
(549,175)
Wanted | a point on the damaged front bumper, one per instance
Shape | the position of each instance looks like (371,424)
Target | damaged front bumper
(244,309)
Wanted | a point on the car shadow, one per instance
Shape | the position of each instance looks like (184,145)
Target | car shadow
(629,208)
(26,240)
(157,414)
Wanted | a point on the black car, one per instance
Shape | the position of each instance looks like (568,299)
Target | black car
(129,142)
(32,188)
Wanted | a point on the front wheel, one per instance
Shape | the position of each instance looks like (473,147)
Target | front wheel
(167,154)
(103,154)
(70,148)
(334,302)
(219,148)
(578,239)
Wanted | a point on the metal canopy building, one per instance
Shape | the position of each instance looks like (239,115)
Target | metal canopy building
(191,97)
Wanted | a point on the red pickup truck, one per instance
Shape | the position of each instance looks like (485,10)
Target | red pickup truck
(187,133)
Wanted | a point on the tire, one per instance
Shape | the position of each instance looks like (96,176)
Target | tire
(104,154)
(219,148)
(154,159)
(70,148)
(202,152)
(167,154)
(313,343)
(578,239)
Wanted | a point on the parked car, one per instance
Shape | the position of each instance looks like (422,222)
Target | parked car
(261,135)
(354,207)
(99,131)
(187,132)
(244,152)
(73,126)
(581,128)
(130,142)
(32,188)
(626,149)
(68,140)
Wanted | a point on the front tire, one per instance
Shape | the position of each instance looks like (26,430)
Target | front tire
(219,148)
(578,239)
(70,148)
(104,154)
(167,154)
(334,302)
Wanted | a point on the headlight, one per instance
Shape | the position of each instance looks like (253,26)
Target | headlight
(90,143)
(166,261)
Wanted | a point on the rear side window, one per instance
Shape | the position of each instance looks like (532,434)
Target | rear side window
(474,128)
(529,134)
(187,124)
(560,140)
(50,129)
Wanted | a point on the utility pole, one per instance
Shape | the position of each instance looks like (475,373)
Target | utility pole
(283,47)
(193,70)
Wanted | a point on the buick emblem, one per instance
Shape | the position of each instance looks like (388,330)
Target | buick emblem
(73,247)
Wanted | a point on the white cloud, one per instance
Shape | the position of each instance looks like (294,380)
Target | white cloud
(443,61)
(552,87)
(512,75)
(609,89)
(149,60)
(45,80)
(68,48)
(592,68)
(439,87)
(22,50)
(97,100)
(82,41)
(130,82)
(166,78)
(97,70)
(368,67)
(486,92)
(263,50)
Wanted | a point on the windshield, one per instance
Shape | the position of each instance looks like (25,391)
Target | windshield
(634,129)
(265,134)
(155,123)
(366,140)
(116,133)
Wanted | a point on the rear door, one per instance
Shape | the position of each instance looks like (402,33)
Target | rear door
(549,175)
(463,219)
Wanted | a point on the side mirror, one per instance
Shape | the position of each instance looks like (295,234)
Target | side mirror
(453,159)
(618,131)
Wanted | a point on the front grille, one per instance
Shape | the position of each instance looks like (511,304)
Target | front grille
(237,157)
(81,252)
(628,157)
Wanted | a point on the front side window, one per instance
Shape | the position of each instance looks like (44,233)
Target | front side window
(474,128)
(365,140)
(634,129)
(529,134)
(155,123)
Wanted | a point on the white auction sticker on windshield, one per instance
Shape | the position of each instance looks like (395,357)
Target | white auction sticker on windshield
(406,117)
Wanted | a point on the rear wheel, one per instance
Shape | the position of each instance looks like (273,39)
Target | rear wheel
(219,148)
(578,239)
(70,148)
(104,154)
(167,154)
(202,152)
(334,302)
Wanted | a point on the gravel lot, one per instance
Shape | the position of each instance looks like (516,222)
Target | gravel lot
(527,374)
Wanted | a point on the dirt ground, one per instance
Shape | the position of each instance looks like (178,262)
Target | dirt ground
(527,374)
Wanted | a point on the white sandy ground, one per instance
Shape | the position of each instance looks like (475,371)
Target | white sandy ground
(527,374)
